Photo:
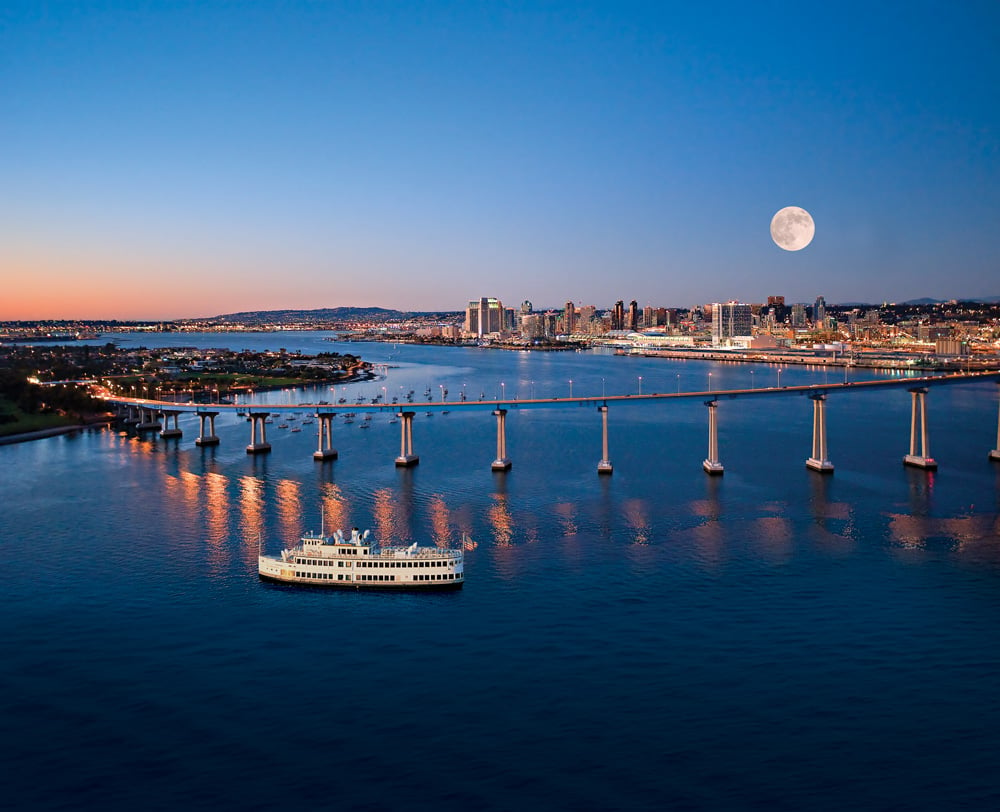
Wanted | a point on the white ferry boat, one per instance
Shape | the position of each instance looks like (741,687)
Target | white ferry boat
(356,563)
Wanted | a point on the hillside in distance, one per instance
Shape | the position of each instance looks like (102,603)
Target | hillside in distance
(328,315)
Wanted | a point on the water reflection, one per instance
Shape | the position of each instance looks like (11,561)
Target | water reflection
(921,489)
(289,504)
(636,513)
(440,522)
(708,536)
(978,535)
(335,510)
(216,489)
(252,511)
(501,520)
(566,512)
(392,525)
(833,523)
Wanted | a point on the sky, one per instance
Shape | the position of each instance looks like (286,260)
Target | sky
(181,159)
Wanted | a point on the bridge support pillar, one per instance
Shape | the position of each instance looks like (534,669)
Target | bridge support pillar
(995,453)
(712,465)
(209,438)
(406,456)
(132,415)
(819,460)
(325,449)
(258,446)
(147,420)
(502,461)
(604,466)
(165,429)
(919,414)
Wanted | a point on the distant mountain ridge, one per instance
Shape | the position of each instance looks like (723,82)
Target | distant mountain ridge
(927,301)
(977,299)
(325,315)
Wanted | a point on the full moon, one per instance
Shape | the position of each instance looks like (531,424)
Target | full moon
(792,228)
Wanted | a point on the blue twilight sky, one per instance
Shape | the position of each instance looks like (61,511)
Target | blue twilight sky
(172,159)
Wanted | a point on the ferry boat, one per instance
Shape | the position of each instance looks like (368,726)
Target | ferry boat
(356,563)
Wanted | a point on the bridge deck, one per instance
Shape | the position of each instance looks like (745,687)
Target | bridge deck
(530,403)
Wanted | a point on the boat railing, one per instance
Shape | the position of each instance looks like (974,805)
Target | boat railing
(420,552)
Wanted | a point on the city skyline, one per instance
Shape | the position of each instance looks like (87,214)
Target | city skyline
(180,162)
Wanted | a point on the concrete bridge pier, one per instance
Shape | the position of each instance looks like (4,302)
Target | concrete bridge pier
(165,429)
(923,459)
(147,420)
(325,449)
(819,460)
(261,446)
(604,466)
(502,461)
(995,453)
(210,438)
(712,465)
(406,456)
(132,415)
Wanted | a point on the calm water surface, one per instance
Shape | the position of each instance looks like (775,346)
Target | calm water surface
(771,639)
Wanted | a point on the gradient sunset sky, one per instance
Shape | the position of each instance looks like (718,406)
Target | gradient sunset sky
(183,159)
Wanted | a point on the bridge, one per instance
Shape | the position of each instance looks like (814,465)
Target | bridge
(162,415)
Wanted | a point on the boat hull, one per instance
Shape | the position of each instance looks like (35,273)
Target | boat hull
(373,586)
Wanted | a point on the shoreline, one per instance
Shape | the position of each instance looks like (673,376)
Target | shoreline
(53,431)
(358,375)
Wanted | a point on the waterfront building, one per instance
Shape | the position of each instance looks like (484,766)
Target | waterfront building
(532,326)
(585,318)
(950,347)
(798,315)
(633,316)
(569,319)
(484,316)
(730,321)
(618,316)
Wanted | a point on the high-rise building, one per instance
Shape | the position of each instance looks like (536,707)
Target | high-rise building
(633,315)
(730,320)
(798,315)
(532,326)
(618,316)
(819,312)
(775,301)
(484,316)
(569,318)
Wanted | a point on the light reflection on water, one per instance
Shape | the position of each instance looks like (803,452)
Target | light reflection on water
(336,510)
(654,638)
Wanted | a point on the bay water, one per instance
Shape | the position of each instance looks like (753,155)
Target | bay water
(769,639)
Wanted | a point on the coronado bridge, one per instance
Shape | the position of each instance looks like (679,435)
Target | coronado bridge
(162,415)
